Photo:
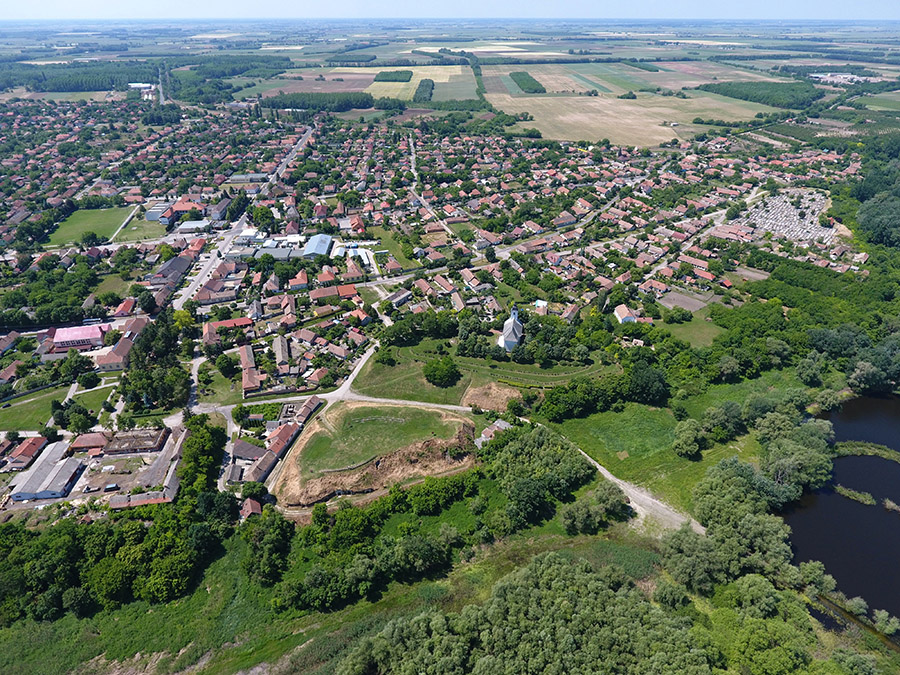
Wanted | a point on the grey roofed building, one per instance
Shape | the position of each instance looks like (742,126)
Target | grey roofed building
(244,450)
(511,337)
(248,178)
(50,478)
(261,468)
(318,244)
(277,253)
(255,311)
(174,268)
(281,349)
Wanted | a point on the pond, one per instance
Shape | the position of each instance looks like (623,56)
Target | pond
(859,544)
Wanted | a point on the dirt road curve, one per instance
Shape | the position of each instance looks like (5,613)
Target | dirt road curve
(645,504)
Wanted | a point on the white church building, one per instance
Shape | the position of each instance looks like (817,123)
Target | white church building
(513,331)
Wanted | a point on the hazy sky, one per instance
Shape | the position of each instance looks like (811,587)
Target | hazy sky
(596,9)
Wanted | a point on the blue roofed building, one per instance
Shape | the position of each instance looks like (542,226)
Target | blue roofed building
(318,244)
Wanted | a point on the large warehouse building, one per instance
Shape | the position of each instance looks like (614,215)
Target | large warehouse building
(50,478)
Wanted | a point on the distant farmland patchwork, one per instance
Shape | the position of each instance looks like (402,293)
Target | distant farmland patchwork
(450,82)
(565,110)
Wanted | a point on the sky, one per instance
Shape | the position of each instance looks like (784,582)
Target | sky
(587,9)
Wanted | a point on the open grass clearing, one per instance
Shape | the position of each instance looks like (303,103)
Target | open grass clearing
(698,331)
(525,373)
(405,381)
(93,400)
(30,413)
(351,434)
(636,445)
(140,230)
(102,222)
(770,382)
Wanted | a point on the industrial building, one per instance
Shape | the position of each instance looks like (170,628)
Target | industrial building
(52,478)
(318,244)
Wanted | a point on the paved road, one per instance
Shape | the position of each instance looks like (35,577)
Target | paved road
(228,237)
(279,172)
(203,275)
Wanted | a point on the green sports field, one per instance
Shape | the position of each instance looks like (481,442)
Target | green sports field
(102,222)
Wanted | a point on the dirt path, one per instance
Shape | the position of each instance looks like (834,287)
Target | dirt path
(645,504)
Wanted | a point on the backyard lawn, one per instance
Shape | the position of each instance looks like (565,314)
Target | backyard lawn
(102,222)
(392,245)
(353,434)
(222,391)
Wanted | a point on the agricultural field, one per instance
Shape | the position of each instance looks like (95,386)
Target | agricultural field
(617,78)
(887,101)
(564,112)
(102,222)
(352,433)
(21,92)
(450,82)
(646,120)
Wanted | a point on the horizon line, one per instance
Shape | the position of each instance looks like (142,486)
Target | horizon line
(448,18)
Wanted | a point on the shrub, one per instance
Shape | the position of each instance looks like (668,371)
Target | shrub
(441,372)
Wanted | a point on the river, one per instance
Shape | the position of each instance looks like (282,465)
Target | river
(859,544)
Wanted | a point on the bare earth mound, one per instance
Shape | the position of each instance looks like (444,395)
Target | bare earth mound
(424,458)
(491,396)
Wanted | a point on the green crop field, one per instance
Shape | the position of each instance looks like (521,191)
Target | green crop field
(888,101)
(102,222)
(353,434)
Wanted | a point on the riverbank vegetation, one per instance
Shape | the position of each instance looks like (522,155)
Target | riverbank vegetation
(855,495)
